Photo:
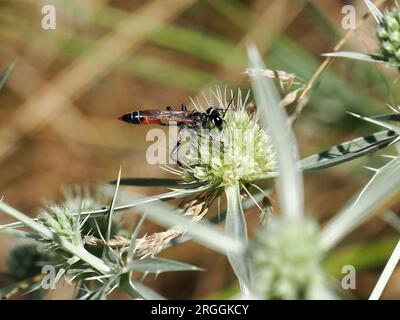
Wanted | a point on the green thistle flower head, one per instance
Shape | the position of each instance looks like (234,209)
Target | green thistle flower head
(85,198)
(286,259)
(388,34)
(240,152)
(62,222)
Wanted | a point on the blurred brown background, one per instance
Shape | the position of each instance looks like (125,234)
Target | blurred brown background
(59,107)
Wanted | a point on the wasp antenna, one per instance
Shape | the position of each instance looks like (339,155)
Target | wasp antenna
(229,106)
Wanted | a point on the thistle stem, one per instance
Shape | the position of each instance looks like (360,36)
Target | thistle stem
(235,226)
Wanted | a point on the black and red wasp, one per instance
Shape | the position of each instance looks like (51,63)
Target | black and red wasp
(185,119)
(213,117)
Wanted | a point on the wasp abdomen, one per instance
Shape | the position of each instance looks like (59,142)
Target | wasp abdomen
(131,117)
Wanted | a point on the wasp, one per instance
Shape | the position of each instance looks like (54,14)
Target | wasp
(213,117)
(186,120)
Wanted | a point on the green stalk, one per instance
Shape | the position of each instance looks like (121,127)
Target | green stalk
(235,227)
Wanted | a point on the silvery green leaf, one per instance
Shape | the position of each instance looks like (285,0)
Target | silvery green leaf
(159,265)
(235,226)
(105,289)
(264,177)
(392,219)
(59,275)
(386,274)
(356,56)
(377,122)
(134,235)
(383,120)
(274,117)
(384,183)
(111,210)
(5,75)
(349,150)
(388,117)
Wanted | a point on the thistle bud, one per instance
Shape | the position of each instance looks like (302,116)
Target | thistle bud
(388,34)
(26,260)
(382,33)
(62,222)
(287,261)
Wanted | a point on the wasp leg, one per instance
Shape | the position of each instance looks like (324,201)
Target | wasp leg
(184,107)
(169,108)
(174,155)
(227,108)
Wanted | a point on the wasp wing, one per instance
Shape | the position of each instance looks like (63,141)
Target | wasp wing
(165,116)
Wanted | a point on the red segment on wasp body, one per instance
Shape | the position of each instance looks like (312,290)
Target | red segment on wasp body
(183,118)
